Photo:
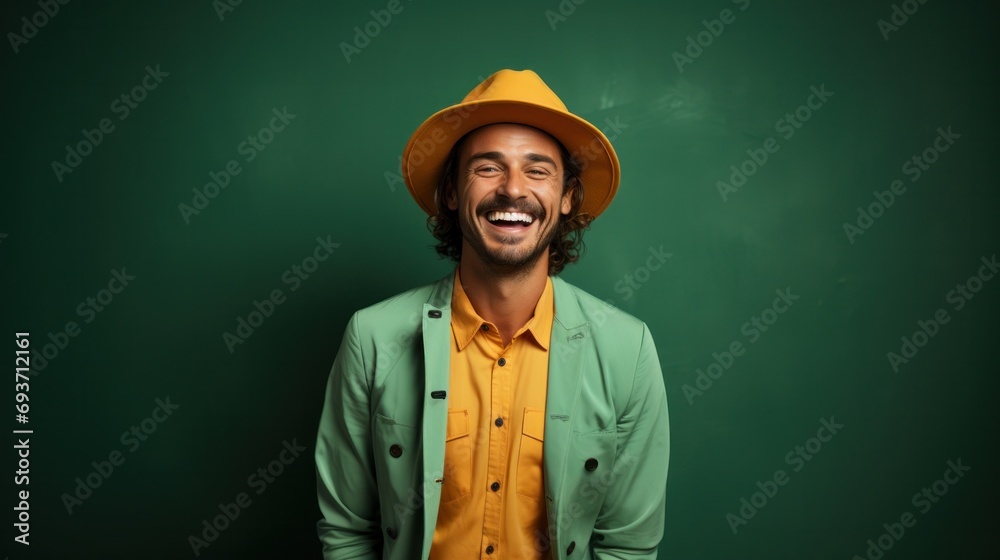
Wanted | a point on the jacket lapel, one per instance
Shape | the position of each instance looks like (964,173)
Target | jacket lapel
(570,340)
(436,324)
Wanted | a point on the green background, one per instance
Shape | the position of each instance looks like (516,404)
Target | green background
(325,175)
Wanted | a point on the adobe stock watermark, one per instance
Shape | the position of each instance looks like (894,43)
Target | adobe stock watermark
(230,512)
(924,501)
(86,310)
(589,493)
(431,143)
(387,357)
(898,17)
(249,149)
(752,330)
(913,168)
(595,149)
(414,499)
(31,26)
(364,34)
(133,438)
(958,298)
(224,7)
(697,43)
(293,278)
(123,105)
(796,458)
(634,281)
(786,126)
(629,284)
(562,12)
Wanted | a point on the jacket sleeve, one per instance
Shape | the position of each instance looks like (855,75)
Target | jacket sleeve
(631,520)
(345,473)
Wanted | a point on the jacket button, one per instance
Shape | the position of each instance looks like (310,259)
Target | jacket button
(391,532)
(569,549)
(489,549)
(395,450)
(502,362)
(498,422)
(495,486)
(591,464)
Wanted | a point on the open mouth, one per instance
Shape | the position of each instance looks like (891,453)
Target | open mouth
(510,220)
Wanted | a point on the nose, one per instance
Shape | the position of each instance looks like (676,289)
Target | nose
(513,185)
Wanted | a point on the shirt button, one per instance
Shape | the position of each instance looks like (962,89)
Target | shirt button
(570,548)
(502,362)
(489,549)
(498,422)
(591,464)
(391,532)
(495,486)
(486,327)
(395,450)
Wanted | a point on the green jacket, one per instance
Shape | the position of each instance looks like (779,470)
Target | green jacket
(381,439)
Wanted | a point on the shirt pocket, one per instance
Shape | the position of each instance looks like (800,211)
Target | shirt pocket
(529,455)
(457,457)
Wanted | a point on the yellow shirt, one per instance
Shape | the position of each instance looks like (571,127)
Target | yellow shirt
(492,498)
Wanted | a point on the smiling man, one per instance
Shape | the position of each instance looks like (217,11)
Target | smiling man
(499,412)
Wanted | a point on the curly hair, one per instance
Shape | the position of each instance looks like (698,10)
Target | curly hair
(567,245)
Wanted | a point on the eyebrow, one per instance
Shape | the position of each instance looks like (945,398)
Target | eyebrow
(538,158)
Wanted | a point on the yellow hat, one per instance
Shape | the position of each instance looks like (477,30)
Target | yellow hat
(511,96)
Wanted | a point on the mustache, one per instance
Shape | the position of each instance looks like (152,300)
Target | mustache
(510,206)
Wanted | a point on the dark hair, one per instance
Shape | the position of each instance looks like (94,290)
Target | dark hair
(567,245)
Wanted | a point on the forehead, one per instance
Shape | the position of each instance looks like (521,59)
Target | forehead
(510,140)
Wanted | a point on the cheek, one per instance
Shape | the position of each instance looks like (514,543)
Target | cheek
(475,193)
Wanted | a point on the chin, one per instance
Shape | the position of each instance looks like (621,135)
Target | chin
(511,260)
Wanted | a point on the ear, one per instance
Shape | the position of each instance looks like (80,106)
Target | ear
(566,204)
(451,196)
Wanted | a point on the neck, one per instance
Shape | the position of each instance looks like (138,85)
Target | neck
(508,299)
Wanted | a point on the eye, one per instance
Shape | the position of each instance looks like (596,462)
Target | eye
(488,170)
(539,172)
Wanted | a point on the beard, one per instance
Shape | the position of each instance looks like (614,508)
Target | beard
(516,255)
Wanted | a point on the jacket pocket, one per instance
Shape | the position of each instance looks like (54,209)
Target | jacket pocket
(397,454)
(592,470)
(457,457)
(529,455)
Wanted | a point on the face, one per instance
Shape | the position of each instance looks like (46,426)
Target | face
(509,195)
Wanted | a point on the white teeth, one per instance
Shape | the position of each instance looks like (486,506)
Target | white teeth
(510,217)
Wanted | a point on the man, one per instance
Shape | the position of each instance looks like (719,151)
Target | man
(500,412)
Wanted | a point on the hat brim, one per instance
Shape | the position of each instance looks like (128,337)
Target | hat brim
(428,148)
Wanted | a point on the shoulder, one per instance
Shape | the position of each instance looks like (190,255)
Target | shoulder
(399,312)
(606,320)
(414,297)
(622,345)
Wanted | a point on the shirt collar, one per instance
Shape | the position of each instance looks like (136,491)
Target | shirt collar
(466,323)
